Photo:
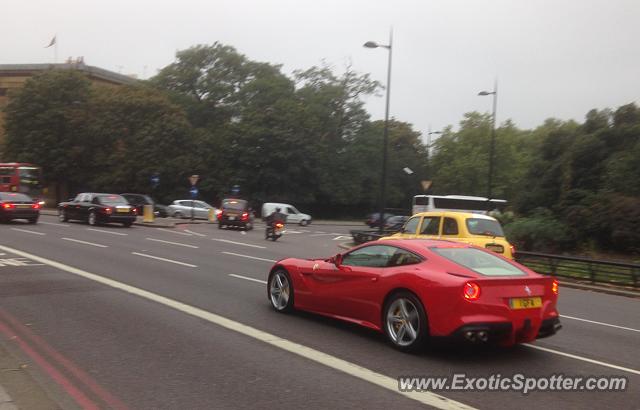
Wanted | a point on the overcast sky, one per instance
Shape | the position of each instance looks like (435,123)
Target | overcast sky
(552,58)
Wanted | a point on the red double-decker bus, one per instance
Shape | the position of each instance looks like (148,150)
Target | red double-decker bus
(22,177)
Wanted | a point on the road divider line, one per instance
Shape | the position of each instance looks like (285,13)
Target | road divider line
(97,245)
(239,243)
(173,243)
(249,257)
(584,359)
(53,223)
(194,233)
(103,231)
(248,278)
(164,259)
(344,366)
(600,323)
(176,232)
(28,231)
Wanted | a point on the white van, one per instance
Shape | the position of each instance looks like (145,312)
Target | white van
(293,215)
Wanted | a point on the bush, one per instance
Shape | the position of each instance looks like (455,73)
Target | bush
(541,232)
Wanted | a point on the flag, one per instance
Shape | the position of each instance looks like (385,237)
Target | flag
(53,41)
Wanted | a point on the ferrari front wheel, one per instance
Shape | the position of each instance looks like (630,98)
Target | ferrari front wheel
(405,322)
(280,291)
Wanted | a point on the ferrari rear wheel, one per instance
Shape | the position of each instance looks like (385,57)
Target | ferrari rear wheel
(405,322)
(281,291)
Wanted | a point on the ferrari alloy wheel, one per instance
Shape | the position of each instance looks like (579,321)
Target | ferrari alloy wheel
(280,291)
(405,322)
(92,218)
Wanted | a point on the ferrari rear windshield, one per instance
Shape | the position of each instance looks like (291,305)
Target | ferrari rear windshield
(479,261)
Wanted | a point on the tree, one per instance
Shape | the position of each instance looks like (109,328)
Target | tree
(46,124)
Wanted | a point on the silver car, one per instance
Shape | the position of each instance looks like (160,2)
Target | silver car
(187,208)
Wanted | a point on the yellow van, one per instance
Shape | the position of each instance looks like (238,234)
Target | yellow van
(475,229)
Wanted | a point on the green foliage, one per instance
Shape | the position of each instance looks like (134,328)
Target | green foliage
(46,124)
(307,139)
(541,232)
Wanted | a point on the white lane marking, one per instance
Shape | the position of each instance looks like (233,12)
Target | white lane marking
(28,231)
(97,245)
(164,259)
(194,233)
(239,243)
(248,278)
(599,323)
(352,369)
(173,243)
(341,238)
(176,232)
(321,234)
(290,231)
(54,224)
(111,232)
(248,257)
(584,359)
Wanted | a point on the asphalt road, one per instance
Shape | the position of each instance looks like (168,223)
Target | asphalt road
(194,329)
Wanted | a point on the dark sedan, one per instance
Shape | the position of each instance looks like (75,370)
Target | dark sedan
(140,200)
(96,208)
(14,205)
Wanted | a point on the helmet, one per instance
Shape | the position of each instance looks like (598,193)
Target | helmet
(278,209)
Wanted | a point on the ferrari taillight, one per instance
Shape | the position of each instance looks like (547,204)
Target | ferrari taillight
(8,205)
(471,291)
(554,286)
(245,216)
(108,211)
(35,206)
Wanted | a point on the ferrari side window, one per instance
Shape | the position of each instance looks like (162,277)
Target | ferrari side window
(376,256)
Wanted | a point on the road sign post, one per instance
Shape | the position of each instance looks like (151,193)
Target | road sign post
(193,179)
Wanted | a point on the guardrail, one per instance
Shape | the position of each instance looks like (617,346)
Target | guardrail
(593,270)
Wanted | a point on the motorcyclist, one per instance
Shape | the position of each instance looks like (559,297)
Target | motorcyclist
(273,218)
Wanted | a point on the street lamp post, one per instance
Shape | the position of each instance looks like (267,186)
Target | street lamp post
(493,136)
(383,180)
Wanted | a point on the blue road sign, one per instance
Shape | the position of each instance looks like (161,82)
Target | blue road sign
(194,192)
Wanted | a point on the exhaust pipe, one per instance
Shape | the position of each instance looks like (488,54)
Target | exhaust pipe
(475,336)
(483,336)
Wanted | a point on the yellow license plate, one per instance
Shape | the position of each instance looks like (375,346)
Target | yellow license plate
(525,303)
(123,210)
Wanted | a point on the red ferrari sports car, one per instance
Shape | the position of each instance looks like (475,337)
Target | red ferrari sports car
(416,289)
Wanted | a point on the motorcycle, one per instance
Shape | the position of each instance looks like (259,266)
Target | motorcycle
(275,231)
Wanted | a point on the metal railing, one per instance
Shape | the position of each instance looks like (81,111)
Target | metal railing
(592,270)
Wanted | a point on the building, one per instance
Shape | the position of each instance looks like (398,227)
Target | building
(13,76)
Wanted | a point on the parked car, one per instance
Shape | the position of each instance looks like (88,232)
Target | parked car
(98,208)
(187,208)
(373,220)
(236,213)
(466,292)
(140,200)
(14,205)
(477,229)
(293,215)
